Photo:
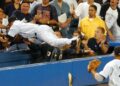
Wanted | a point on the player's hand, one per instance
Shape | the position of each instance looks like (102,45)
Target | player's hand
(93,65)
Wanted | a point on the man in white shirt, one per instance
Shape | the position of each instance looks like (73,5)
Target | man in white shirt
(71,2)
(40,32)
(111,70)
(111,14)
(82,9)
(33,3)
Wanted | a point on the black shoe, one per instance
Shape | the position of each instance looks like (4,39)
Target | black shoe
(81,37)
(73,44)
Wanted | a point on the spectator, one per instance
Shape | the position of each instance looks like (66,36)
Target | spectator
(79,48)
(2,15)
(74,23)
(82,9)
(10,8)
(6,2)
(17,44)
(3,42)
(63,9)
(33,3)
(111,14)
(45,13)
(71,2)
(98,43)
(23,13)
(3,22)
(89,24)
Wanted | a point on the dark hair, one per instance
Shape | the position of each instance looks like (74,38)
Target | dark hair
(102,29)
(93,6)
(12,19)
(25,1)
(117,51)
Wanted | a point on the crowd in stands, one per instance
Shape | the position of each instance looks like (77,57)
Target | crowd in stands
(96,22)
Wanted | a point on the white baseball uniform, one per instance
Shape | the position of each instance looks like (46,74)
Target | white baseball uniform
(111,70)
(42,32)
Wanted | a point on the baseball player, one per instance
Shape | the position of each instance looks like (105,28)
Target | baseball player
(41,32)
(111,69)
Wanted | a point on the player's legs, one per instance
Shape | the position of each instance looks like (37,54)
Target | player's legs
(49,37)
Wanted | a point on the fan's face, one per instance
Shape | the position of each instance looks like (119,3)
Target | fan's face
(92,12)
(114,2)
(45,2)
(25,7)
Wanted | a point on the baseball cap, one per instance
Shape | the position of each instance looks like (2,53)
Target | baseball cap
(117,51)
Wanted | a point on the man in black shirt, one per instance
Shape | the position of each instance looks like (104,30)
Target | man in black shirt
(45,13)
(23,13)
(98,43)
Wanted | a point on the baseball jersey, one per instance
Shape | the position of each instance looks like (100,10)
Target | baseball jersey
(27,30)
(112,70)
(42,32)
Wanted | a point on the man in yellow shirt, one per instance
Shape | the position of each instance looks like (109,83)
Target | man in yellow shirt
(89,24)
